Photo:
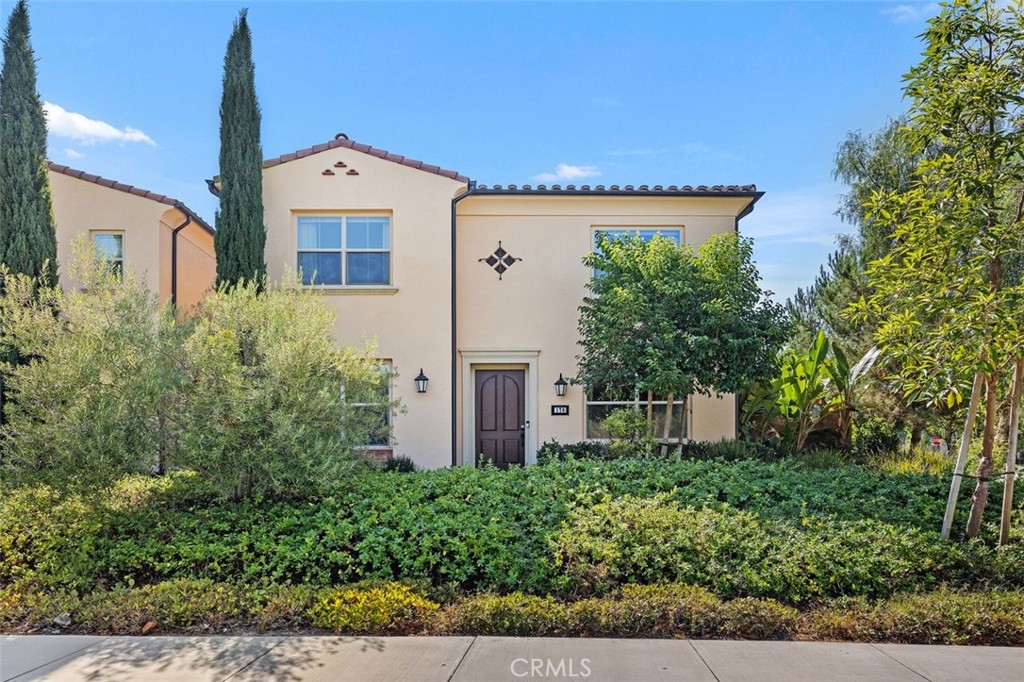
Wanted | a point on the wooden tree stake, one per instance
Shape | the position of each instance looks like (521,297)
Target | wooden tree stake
(1011,452)
(961,460)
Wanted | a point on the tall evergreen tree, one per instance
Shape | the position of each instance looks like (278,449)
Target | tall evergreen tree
(241,235)
(28,237)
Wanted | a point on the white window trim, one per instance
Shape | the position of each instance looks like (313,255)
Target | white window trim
(116,233)
(496,359)
(344,250)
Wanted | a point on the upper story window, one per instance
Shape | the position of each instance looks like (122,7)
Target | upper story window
(675,234)
(110,248)
(646,234)
(345,250)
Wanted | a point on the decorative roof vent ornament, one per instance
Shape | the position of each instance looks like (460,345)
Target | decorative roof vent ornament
(500,261)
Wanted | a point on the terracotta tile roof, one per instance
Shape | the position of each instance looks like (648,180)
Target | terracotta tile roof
(342,142)
(625,190)
(130,189)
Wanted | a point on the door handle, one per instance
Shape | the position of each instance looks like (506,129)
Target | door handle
(523,427)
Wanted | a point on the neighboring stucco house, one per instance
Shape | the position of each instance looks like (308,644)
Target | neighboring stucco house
(160,238)
(476,286)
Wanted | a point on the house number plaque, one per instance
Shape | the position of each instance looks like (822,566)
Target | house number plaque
(560,410)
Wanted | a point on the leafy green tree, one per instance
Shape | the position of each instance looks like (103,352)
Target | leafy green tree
(666,320)
(253,393)
(101,395)
(241,235)
(943,295)
(270,403)
(28,238)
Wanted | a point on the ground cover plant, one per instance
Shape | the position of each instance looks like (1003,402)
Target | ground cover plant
(569,529)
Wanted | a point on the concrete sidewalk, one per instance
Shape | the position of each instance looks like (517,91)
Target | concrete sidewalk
(487,659)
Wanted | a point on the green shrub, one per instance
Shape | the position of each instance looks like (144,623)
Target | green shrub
(630,433)
(920,460)
(728,450)
(175,605)
(264,410)
(252,392)
(27,606)
(285,607)
(653,540)
(45,536)
(513,615)
(681,611)
(491,530)
(824,458)
(635,611)
(100,398)
(944,617)
(553,451)
(873,436)
(384,609)
(399,464)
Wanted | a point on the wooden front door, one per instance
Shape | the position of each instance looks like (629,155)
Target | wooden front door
(501,416)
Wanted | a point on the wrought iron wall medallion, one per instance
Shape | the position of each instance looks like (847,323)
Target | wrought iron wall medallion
(500,261)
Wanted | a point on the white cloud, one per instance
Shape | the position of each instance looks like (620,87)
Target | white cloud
(566,171)
(73,153)
(89,131)
(902,14)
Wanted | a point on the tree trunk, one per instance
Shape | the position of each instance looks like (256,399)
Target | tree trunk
(961,460)
(1011,452)
(667,431)
(915,435)
(980,497)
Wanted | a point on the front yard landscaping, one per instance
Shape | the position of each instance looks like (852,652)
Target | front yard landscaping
(626,547)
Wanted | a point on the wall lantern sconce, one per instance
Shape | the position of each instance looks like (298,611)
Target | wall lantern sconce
(561,385)
(421,382)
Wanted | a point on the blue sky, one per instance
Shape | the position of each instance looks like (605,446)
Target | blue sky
(660,93)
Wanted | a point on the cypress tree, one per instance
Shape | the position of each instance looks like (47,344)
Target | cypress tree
(241,235)
(28,236)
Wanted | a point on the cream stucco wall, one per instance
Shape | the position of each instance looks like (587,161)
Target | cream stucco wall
(527,319)
(197,262)
(410,321)
(82,208)
(533,309)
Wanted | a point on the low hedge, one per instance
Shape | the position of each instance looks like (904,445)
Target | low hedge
(635,611)
(631,540)
(989,618)
(940,617)
(743,528)
(388,609)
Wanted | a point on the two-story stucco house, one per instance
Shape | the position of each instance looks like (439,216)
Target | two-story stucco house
(160,238)
(474,288)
